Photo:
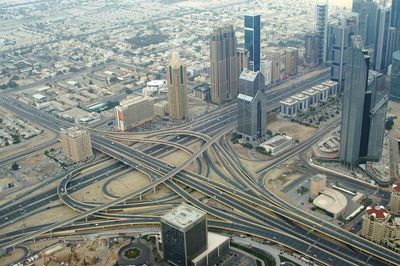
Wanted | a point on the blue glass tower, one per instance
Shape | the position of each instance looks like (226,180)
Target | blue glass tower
(252,40)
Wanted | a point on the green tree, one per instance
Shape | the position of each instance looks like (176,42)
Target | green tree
(389,123)
(15,166)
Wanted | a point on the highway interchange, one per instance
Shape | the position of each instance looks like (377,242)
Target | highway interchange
(251,209)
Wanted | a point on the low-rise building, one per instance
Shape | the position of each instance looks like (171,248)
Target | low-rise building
(161,108)
(313,96)
(317,184)
(331,201)
(333,87)
(289,107)
(134,111)
(323,92)
(202,93)
(302,99)
(277,144)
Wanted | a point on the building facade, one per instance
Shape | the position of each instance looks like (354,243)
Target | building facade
(291,60)
(321,27)
(394,202)
(252,113)
(178,102)
(134,111)
(252,40)
(353,102)
(382,40)
(311,50)
(394,92)
(224,65)
(183,234)
(243,59)
(76,143)
(374,223)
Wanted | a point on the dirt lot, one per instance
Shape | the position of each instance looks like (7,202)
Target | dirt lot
(394,110)
(294,130)
(128,183)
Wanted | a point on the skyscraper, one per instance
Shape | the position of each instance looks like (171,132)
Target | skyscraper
(382,40)
(76,143)
(243,57)
(252,40)
(372,11)
(291,60)
(395,22)
(311,50)
(183,234)
(355,85)
(224,65)
(252,113)
(276,67)
(364,109)
(321,27)
(177,89)
(339,43)
(395,77)
(360,7)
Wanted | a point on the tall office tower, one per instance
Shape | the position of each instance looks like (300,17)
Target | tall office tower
(395,22)
(372,11)
(266,70)
(321,27)
(394,92)
(394,202)
(133,111)
(224,65)
(311,50)
(364,109)
(355,85)
(381,58)
(360,7)
(391,44)
(243,59)
(276,67)
(177,89)
(183,234)
(291,60)
(76,143)
(252,112)
(252,40)
(339,43)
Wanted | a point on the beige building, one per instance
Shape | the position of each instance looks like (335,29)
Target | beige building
(224,65)
(374,223)
(134,111)
(291,60)
(161,108)
(318,183)
(276,67)
(177,89)
(76,143)
(394,203)
(331,201)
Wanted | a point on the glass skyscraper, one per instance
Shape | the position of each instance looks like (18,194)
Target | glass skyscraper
(252,40)
(395,77)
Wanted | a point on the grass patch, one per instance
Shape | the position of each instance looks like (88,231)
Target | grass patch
(269,261)
(132,253)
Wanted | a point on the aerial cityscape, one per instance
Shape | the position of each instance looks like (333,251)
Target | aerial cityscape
(200,132)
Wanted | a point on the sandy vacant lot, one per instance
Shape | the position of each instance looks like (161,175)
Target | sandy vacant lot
(293,130)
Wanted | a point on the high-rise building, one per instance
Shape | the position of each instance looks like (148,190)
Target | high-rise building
(276,67)
(374,223)
(394,202)
(394,92)
(134,111)
(243,57)
(339,43)
(311,50)
(252,40)
(177,89)
(266,70)
(224,65)
(76,143)
(360,7)
(252,113)
(372,11)
(395,22)
(382,40)
(291,60)
(355,85)
(321,27)
(364,109)
(183,234)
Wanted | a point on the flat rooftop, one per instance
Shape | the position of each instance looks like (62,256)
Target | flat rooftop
(331,201)
(277,141)
(214,241)
(289,101)
(300,96)
(310,91)
(320,87)
(183,216)
(329,83)
(248,75)
(132,99)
